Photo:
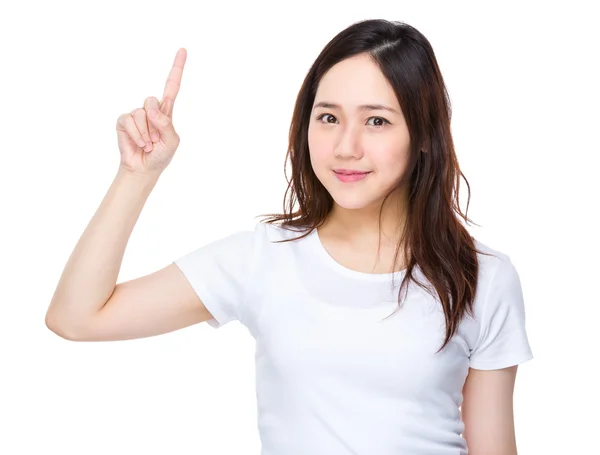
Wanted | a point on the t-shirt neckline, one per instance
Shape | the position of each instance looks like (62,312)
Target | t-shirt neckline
(324,256)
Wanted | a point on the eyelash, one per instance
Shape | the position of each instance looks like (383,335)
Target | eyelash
(376,126)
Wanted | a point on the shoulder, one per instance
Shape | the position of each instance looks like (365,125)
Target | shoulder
(253,240)
(499,283)
(492,262)
(275,232)
(498,278)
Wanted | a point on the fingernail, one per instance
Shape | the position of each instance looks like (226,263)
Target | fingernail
(141,143)
(148,148)
(155,136)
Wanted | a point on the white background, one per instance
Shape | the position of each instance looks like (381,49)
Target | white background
(523,80)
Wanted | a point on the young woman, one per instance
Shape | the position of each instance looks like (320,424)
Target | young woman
(381,326)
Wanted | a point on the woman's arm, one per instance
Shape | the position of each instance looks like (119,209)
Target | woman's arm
(90,275)
(487,411)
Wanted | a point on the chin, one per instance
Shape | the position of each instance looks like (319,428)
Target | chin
(352,203)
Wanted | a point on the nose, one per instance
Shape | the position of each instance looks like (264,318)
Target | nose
(348,145)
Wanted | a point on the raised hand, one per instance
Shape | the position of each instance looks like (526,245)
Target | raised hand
(146,135)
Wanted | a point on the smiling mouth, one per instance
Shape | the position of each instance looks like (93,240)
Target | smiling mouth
(351,172)
(353,177)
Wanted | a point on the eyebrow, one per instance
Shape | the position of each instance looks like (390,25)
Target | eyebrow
(362,107)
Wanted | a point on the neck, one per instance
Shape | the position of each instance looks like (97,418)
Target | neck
(362,225)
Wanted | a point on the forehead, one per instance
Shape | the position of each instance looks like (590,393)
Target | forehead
(354,81)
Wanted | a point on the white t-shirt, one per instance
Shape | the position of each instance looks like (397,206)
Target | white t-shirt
(333,377)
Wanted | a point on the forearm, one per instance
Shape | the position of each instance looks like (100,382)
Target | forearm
(90,275)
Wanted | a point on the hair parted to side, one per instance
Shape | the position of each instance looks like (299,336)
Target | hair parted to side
(432,238)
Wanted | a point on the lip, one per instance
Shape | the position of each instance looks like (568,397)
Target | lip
(349,171)
(355,177)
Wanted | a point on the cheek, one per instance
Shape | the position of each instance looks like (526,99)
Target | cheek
(397,159)
(391,166)
(318,146)
(389,158)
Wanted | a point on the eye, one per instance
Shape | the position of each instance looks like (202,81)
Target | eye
(382,121)
(385,122)
(323,115)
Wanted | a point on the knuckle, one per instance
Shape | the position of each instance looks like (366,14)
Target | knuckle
(150,102)
(131,126)
(173,81)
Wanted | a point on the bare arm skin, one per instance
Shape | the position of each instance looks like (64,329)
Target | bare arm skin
(88,304)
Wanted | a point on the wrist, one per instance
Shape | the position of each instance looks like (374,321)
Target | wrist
(137,179)
(137,175)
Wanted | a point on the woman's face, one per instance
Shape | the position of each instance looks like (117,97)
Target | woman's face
(346,135)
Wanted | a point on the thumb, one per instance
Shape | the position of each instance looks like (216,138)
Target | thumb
(163,124)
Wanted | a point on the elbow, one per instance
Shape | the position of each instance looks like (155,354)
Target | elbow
(58,327)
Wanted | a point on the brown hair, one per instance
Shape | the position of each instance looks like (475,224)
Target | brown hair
(434,239)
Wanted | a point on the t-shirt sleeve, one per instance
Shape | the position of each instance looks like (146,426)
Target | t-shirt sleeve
(503,340)
(219,272)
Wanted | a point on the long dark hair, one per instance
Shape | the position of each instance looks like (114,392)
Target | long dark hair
(432,239)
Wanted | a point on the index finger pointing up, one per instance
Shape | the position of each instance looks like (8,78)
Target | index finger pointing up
(173,83)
